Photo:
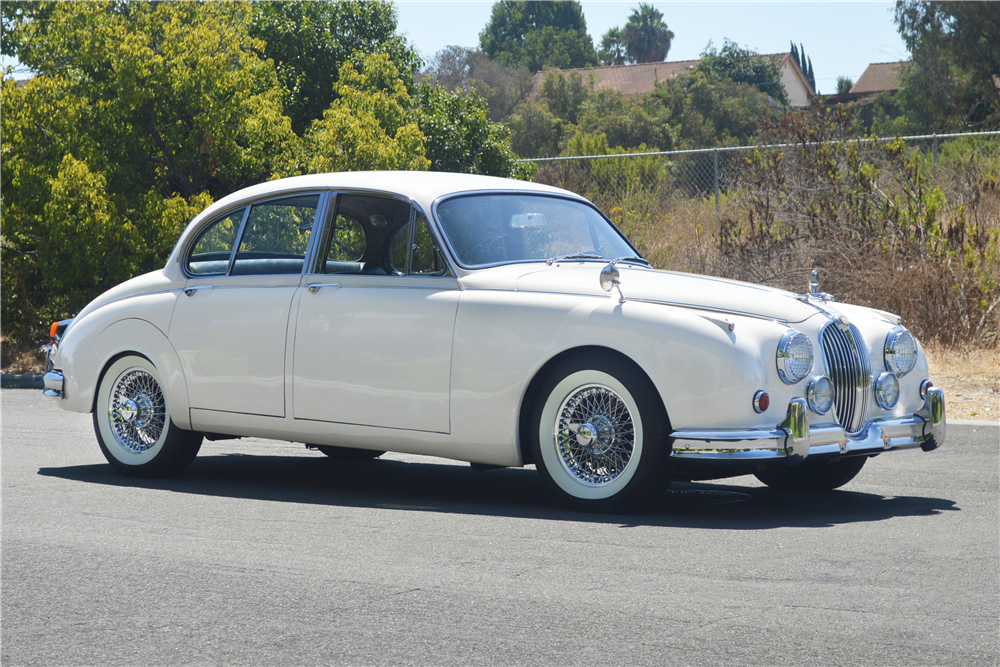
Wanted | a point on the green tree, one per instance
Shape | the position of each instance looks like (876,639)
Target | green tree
(535,131)
(613,51)
(647,37)
(310,41)
(950,83)
(705,110)
(844,85)
(538,34)
(138,115)
(564,94)
(461,138)
(805,64)
(744,66)
(626,122)
(368,127)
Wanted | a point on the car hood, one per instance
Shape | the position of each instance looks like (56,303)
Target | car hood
(642,283)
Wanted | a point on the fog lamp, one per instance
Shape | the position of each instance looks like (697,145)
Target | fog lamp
(887,390)
(819,393)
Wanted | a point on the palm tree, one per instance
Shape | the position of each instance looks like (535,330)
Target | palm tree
(647,37)
(613,48)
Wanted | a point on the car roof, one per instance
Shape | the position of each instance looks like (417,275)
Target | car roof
(423,187)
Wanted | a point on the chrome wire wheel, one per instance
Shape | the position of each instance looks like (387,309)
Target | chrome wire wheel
(137,410)
(133,424)
(598,432)
(594,435)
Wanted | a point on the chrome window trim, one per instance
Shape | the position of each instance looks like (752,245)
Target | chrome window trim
(532,193)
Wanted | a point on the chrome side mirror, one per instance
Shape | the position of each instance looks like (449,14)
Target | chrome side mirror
(610,278)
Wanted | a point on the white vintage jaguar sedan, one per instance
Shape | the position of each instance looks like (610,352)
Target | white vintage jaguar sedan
(492,321)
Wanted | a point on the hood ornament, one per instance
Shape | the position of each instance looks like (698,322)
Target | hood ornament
(610,277)
(814,292)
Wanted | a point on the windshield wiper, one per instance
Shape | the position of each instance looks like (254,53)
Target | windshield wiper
(581,255)
(640,260)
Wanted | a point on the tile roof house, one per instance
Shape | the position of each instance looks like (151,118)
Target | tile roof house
(643,77)
(878,77)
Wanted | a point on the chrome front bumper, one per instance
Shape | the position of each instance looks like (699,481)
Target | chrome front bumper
(53,384)
(793,440)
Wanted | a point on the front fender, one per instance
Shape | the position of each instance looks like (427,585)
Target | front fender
(88,348)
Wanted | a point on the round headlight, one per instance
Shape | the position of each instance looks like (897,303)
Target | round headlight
(820,394)
(900,351)
(795,357)
(887,390)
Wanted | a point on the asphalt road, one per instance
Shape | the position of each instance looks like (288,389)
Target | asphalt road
(263,553)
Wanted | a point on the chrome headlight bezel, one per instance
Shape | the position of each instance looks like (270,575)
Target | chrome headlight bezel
(819,394)
(794,365)
(900,352)
(887,390)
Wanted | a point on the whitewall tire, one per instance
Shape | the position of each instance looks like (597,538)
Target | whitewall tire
(133,425)
(598,433)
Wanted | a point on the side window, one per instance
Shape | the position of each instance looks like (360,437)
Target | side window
(276,236)
(422,255)
(347,246)
(361,232)
(211,252)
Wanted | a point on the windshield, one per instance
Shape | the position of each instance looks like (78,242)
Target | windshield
(498,228)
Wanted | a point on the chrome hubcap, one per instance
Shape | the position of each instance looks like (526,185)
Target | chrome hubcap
(594,435)
(137,411)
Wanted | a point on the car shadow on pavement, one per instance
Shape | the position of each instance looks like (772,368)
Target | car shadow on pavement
(513,492)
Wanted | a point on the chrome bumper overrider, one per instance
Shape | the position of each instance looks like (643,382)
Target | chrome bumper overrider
(794,440)
(53,384)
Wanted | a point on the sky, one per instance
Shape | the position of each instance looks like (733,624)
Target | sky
(841,38)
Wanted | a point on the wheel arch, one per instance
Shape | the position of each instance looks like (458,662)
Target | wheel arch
(139,338)
(534,385)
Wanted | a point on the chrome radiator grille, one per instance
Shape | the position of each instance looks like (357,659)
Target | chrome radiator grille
(849,367)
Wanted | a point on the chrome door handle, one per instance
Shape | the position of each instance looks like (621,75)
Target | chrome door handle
(315,287)
(191,290)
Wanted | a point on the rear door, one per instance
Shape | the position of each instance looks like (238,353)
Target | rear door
(374,328)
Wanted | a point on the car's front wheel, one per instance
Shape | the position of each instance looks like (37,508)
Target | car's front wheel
(133,425)
(814,476)
(599,433)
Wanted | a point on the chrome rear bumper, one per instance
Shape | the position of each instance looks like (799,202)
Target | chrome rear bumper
(794,440)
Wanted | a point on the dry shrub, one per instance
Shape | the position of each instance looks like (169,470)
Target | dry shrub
(869,215)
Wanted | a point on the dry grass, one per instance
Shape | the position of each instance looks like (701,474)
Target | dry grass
(970,380)
(21,359)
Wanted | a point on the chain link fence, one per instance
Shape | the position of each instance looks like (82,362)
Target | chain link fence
(910,225)
(614,181)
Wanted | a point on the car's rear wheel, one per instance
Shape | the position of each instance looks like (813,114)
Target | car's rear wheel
(814,476)
(349,453)
(133,425)
(599,433)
